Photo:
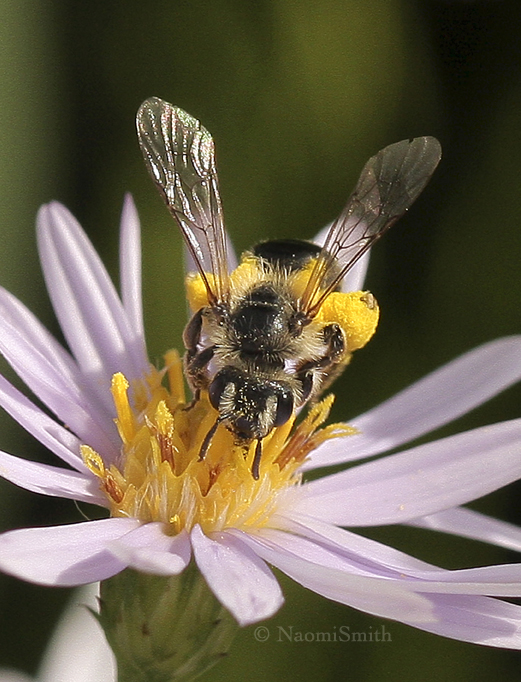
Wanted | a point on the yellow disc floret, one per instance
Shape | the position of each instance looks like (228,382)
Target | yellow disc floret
(160,475)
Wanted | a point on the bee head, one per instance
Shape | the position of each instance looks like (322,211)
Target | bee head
(251,405)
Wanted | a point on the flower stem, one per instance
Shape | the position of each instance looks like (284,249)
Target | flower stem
(164,629)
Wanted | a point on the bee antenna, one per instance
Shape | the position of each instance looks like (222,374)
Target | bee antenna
(256,460)
(207,439)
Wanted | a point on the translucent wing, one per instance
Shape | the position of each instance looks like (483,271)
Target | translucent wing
(179,154)
(389,183)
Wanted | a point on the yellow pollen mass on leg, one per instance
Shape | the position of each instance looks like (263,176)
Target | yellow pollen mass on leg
(196,292)
(356,312)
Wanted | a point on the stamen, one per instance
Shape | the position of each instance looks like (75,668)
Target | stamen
(125,422)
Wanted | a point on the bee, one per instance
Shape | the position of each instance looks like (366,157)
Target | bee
(269,336)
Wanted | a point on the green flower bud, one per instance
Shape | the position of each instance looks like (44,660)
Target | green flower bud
(164,629)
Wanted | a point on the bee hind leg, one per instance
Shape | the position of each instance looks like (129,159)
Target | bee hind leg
(317,375)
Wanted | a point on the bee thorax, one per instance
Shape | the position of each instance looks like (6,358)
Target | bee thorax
(259,325)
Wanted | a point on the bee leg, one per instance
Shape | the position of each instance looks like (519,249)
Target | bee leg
(195,360)
(336,358)
(192,332)
(316,375)
(207,439)
(336,344)
(195,367)
(306,376)
(193,402)
(256,460)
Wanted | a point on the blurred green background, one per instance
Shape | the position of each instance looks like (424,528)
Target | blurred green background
(298,95)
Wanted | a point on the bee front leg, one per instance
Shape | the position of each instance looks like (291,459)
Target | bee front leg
(196,360)
(196,369)
(192,333)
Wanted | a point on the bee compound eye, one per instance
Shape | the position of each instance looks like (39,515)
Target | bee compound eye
(216,389)
(284,408)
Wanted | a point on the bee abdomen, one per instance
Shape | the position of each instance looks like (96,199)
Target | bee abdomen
(288,254)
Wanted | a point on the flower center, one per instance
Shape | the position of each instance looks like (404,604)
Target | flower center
(160,475)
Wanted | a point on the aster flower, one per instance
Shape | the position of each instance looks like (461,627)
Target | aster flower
(67,659)
(132,447)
